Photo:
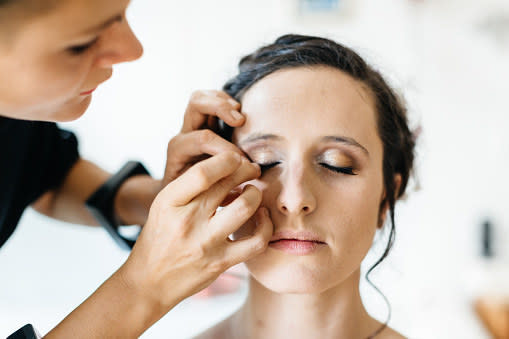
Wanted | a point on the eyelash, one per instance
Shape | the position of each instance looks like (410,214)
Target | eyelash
(80,49)
(268,166)
(343,170)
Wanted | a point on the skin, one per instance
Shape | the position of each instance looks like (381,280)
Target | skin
(314,295)
(47,77)
(47,81)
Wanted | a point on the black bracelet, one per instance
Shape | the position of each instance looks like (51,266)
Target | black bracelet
(26,332)
(100,203)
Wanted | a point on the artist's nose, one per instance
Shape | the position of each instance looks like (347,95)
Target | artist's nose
(297,196)
(118,45)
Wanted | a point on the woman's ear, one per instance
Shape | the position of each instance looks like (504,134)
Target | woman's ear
(385,204)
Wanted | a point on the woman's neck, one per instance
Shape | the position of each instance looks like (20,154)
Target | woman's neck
(335,313)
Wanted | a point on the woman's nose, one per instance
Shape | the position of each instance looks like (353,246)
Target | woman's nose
(119,45)
(297,195)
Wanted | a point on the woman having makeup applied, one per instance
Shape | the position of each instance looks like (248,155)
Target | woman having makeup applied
(333,143)
(53,56)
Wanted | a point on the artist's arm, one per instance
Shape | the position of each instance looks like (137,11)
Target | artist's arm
(182,248)
(184,244)
(67,203)
(114,310)
(136,194)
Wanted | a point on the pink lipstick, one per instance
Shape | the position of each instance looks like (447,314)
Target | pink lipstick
(298,243)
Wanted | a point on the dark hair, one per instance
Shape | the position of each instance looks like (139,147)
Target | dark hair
(14,13)
(28,7)
(33,3)
(290,51)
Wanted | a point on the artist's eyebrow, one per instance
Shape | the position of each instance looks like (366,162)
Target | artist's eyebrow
(259,136)
(104,24)
(347,141)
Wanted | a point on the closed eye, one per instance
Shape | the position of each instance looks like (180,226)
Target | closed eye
(267,166)
(344,170)
(80,49)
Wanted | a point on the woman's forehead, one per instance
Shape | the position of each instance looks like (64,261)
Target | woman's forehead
(309,101)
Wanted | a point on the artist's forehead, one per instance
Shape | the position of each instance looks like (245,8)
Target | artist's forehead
(71,17)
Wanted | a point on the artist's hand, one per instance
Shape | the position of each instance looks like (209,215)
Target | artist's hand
(195,142)
(184,245)
(196,138)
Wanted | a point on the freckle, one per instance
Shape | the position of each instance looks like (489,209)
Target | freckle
(260,324)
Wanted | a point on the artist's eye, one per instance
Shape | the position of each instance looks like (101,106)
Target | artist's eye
(267,166)
(80,49)
(343,170)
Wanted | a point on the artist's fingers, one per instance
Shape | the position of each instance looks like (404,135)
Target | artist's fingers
(189,145)
(186,149)
(237,213)
(215,196)
(200,178)
(232,195)
(246,248)
(206,104)
(221,94)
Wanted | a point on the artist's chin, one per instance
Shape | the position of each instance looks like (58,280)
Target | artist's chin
(56,112)
(72,110)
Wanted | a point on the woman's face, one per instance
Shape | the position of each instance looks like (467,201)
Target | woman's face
(314,133)
(56,59)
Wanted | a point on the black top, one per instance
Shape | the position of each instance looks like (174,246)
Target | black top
(35,157)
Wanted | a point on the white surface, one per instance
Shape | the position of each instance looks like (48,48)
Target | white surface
(454,78)
(49,268)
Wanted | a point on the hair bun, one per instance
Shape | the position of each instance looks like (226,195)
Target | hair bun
(290,39)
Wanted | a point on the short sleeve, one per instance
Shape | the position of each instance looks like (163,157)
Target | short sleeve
(53,152)
(35,158)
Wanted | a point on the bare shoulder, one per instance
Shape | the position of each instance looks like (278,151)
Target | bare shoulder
(219,331)
(389,333)
(386,333)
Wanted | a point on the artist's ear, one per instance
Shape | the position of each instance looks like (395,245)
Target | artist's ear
(385,204)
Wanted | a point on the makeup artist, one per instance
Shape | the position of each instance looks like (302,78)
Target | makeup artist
(53,55)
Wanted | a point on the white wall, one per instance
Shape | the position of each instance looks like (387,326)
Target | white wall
(453,76)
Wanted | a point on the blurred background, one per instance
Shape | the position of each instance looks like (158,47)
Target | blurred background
(450,60)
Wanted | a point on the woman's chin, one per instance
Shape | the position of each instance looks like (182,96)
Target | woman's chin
(290,278)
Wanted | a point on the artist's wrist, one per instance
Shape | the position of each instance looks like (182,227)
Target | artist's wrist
(115,309)
(141,310)
(134,198)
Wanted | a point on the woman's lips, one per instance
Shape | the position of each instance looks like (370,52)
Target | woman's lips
(88,92)
(295,246)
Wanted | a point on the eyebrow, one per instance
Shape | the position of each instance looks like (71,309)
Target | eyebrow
(259,136)
(334,138)
(347,141)
(104,24)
